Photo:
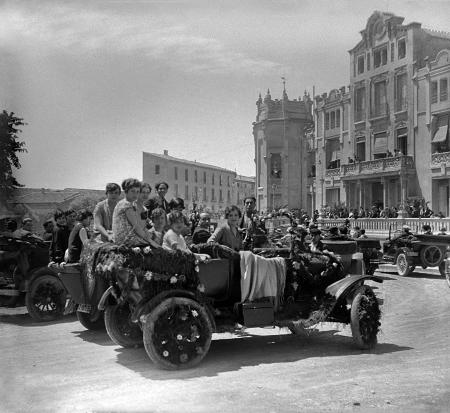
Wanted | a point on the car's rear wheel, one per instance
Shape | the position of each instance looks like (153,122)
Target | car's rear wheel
(447,274)
(177,333)
(120,328)
(403,267)
(365,318)
(92,321)
(431,255)
(46,298)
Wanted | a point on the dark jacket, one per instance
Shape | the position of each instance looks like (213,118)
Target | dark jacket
(59,243)
(200,235)
(157,202)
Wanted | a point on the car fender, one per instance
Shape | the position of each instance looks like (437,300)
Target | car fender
(37,272)
(342,287)
(109,292)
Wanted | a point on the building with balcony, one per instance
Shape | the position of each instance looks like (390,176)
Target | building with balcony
(391,99)
(283,156)
(332,133)
(209,187)
(432,123)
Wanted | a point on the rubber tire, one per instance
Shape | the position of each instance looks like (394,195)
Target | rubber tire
(400,262)
(149,332)
(114,317)
(60,300)
(447,274)
(362,293)
(424,259)
(86,321)
(442,268)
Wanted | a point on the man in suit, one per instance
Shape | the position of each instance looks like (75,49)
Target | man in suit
(252,228)
(159,201)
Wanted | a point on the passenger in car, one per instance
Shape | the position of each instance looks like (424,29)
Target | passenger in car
(316,244)
(79,236)
(159,220)
(228,234)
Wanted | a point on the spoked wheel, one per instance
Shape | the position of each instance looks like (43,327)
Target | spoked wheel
(365,318)
(403,267)
(93,320)
(46,298)
(177,333)
(120,328)
(431,255)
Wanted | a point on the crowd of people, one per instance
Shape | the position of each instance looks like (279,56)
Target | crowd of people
(130,216)
(415,209)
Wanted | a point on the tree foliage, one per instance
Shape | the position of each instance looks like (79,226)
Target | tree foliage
(10,146)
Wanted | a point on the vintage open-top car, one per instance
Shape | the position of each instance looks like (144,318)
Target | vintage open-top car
(172,303)
(407,252)
(45,296)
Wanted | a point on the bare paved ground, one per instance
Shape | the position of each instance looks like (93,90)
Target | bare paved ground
(61,367)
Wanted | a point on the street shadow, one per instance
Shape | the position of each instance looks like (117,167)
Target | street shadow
(252,350)
(25,320)
(426,276)
(99,337)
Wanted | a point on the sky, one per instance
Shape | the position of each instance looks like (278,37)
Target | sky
(100,82)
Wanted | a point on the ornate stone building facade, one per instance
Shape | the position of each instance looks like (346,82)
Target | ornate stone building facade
(432,123)
(283,155)
(388,106)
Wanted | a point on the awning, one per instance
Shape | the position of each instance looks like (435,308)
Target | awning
(380,145)
(440,135)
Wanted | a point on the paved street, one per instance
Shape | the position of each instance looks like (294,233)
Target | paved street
(61,367)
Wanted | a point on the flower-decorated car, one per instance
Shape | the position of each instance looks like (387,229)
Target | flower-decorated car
(171,302)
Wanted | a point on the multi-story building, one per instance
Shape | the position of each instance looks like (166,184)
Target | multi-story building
(332,131)
(282,153)
(386,110)
(432,124)
(245,186)
(207,186)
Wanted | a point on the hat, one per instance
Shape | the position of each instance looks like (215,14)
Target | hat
(333,230)
(405,227)
(315,231)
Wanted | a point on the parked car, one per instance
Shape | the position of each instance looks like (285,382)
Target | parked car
(45,296)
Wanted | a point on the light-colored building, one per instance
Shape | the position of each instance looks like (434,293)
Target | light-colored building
(283,154)
(207,186)
(390,105)
(432,124)
(332,131)
(245,186)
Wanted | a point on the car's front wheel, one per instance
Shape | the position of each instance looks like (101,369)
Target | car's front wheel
(177,333)
(365,317)
(403,266)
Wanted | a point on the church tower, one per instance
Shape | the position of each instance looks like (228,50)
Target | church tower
(284,160)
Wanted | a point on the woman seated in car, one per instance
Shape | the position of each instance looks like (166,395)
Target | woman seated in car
(229,234)
(126,223)
(79,236)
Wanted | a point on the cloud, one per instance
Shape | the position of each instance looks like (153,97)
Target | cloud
(76,29)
